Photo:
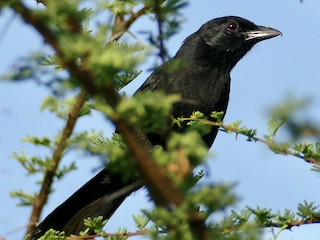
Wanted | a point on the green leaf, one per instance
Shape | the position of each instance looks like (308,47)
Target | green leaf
(62,108)
(52,234)
(44,141)
(122,78)
(95,224)
(141,221)
(64,170)
(262,216)
(274,125)
(33,164)
(24,198)
(279,148)
(308,210)
(144,110)
(307,150)
(218,116)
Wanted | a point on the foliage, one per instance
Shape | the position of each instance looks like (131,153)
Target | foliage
(80,54)
(53,235)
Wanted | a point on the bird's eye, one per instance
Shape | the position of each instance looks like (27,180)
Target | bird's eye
(232,26)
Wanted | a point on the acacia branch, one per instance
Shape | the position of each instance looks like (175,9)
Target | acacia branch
(45,190)
(289,225)
(285,226)
(271,144)
(162,189)
(121,25)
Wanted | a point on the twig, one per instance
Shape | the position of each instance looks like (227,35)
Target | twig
(6,26)
(270,144)
(121,25)
(41,200)
(294,224)
(157,10)
(287,226)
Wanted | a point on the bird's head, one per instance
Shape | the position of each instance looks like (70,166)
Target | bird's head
(225,40)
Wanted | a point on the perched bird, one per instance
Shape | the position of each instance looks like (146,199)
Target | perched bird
(203,82)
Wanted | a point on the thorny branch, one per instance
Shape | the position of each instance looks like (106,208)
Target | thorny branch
(270,144)
(288,225)
(42,197)
(121,25)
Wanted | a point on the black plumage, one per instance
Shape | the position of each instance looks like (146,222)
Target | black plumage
(202,79)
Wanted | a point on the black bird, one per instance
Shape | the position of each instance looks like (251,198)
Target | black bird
(203,82)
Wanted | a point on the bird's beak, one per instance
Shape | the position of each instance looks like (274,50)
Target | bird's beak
(262,33)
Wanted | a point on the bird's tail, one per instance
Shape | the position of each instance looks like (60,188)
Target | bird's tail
(101,196)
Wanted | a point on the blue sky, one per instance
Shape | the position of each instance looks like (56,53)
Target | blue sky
(273,70)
